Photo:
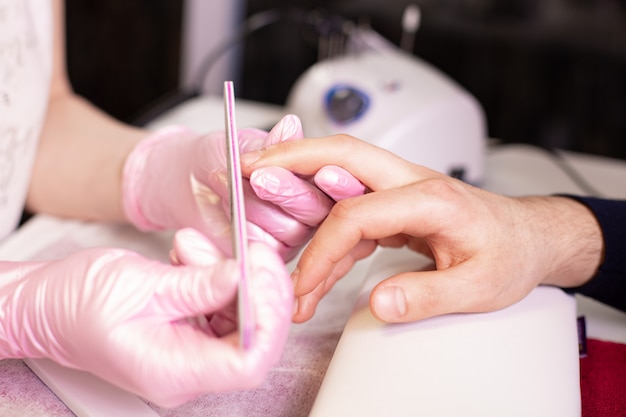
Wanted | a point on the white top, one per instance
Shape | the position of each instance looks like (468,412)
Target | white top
(25,70)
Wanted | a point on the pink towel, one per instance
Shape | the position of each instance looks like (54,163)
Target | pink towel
(22,394)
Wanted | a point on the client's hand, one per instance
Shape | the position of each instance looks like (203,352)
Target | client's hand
(489,250)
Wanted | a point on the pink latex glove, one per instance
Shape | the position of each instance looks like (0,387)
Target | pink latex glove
(176,178)
(134,321)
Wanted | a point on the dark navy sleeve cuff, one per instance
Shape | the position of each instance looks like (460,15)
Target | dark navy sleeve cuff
(609,284)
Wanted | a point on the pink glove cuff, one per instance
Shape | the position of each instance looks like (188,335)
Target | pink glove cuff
(133,170)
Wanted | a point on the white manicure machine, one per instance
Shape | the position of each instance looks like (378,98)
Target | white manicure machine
(398,102)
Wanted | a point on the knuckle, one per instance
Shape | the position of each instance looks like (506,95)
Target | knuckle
(443,187)
(343,209)
(344,138)
(448,196)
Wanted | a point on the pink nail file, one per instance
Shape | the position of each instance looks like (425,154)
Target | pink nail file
(238,219)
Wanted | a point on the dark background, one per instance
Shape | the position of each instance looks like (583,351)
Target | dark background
(123,54)
(549,72)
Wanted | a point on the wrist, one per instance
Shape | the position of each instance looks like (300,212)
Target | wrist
(573,240)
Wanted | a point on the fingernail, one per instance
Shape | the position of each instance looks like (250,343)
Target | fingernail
(390,303)
(249,158)
(173,257)
(295,307)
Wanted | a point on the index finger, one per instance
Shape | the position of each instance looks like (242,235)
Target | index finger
(368,217)
(375,167)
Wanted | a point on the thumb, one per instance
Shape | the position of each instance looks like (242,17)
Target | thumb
(190,247)
(413,296)
(288,128)
(186,291)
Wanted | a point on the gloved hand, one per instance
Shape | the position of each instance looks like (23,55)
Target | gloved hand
(177,178)
(133,321)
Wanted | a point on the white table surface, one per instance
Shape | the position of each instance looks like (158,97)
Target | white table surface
(510,169)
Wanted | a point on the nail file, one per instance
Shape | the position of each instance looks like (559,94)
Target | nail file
(238,218)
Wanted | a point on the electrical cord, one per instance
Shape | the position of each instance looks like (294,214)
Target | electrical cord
(253,23)
(250,25)
(571,172)
(321,23)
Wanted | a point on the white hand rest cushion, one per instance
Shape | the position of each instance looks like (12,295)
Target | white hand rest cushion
(519,361)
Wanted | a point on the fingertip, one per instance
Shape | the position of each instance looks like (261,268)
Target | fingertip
(327,179)
(298,319)
(300,288)
(276,184)
(248,159)
(338,183)
(190,247)
(174,258)
(389,303)
(288,128)
(263,184)
(296,197)
(302,311)
(191,290)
